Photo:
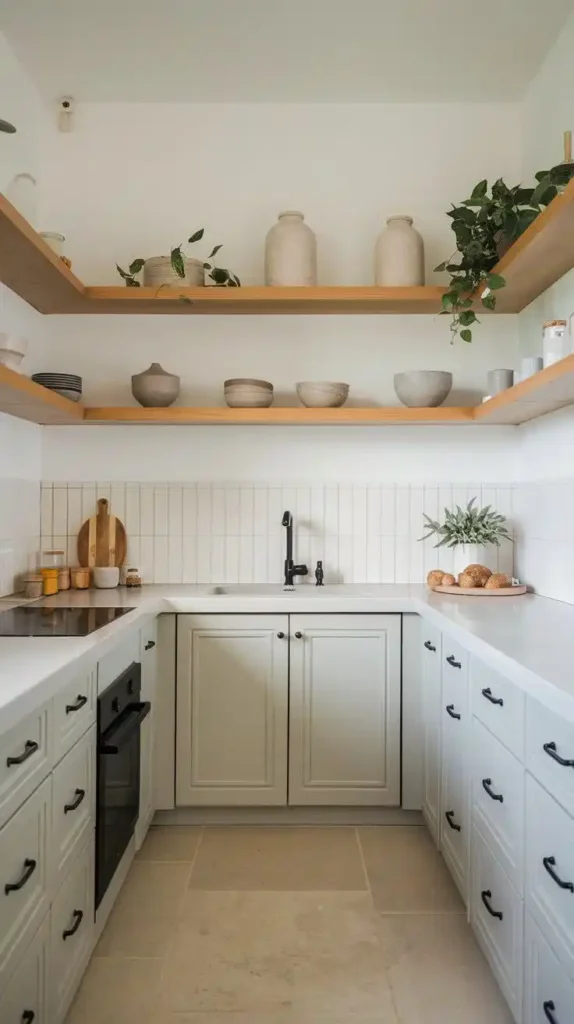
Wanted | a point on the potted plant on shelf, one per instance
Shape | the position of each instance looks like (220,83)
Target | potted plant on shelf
(177,268)
(472,532)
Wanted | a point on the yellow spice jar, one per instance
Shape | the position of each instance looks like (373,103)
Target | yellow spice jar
(49,581)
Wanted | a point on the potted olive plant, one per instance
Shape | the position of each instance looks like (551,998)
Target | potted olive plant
(176,269)
(472,532)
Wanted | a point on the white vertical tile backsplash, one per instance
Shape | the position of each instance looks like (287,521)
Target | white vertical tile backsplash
(232,533)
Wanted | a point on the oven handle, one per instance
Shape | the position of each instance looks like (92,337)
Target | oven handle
(114,738)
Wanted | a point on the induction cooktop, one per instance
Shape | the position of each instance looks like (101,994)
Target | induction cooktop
(30,620)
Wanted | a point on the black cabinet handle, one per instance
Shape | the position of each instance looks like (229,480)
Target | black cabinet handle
(78,916)
(149,645)
(548,1008)
(452,661)
(28,1016)
(485,896)
(450,711)
(80,794)
(30,748)
(550,749)
(486,784)
(449,815)
(298,635)
(29,869)
(429,646)
(281,636)
(80,701)
(549,864)
(487,692)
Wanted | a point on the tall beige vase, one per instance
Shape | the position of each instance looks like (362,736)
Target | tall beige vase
(291,252)
(399,254)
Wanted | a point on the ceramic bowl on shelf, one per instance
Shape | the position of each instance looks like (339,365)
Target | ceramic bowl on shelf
(247,393)
(322,394)
(68,385)
(12,351)
(422,389)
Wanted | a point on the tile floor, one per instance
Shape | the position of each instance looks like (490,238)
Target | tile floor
(288,926)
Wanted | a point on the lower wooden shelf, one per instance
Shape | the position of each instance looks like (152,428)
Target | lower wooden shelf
(278,415)
(22,397)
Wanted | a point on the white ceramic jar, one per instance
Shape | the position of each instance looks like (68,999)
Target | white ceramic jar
(556,340)
(399,254)
(21,192)
(291,252)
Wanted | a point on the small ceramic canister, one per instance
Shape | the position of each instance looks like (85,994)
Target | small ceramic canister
(499,380)
(80,577)
(33,586)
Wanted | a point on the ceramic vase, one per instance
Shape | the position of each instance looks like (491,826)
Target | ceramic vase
(399,254)
(158,271)
(291,252)
(472,554)
(155,388)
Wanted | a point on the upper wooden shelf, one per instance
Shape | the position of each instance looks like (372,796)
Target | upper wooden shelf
(29,267)
(279,416)
(22,397)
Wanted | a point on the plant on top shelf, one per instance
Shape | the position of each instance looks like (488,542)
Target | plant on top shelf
(485,226)
(220,276)
(467,526)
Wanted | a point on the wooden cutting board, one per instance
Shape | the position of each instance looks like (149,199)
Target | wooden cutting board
(481,592)
(102,539)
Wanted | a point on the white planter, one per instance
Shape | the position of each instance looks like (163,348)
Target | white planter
(399,254)
(291,252)
(472,554)
(158,271)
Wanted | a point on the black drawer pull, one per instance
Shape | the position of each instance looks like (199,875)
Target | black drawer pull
(429,646)
(486,784)
(29,869)
(487,692)
(449,815)
(550,749)
(450,711)
(485,896)
(30,748)
(549,864)
(548,1008)
(80,794)
(452,661)
(28,1016)
(149,645)
(78,916)
(80,701)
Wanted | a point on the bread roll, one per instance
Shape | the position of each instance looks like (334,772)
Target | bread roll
(470,579)
(497,580)
(435,578)
(448,580)
(482,569)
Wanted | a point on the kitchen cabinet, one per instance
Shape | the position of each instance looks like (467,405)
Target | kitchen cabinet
(72,932)
(345,710)
(232,683)
(431,640)
(454,797)
(25,998)
(149,661)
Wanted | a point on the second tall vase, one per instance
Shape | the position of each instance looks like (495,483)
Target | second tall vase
(399,254)
(291,252)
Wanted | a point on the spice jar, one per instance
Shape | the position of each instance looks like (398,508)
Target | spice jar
(33,588)
(64,578)
(53,559)
(49,582)
(133,578)
(80,578)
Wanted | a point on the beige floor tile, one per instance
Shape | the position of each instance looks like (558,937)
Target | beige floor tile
(170,842)
(406,873)
(277,859)
(118,992)
(310,953)
(140,926)
(160,881)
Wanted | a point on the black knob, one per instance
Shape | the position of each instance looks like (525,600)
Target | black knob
(116,704)
(281,636)
(28,1016)
(298,636)
(149,645)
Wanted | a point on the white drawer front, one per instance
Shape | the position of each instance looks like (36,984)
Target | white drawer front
(25,759)
(72,932)
(548,991)
(499,704)
(73,804)
(550,852)
(74,712)
(549,743)
(118,660)
(25,998)
(24,843)
(496,914)
(497,789)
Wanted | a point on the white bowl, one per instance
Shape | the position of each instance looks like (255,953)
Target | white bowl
(422,389)
(12,351)
(248,398)
(106,576)
(322,394)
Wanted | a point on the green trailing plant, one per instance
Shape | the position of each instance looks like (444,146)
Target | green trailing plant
(485,226)
(467,526)
(220,276)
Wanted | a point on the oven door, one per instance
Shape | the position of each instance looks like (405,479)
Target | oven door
(118,791)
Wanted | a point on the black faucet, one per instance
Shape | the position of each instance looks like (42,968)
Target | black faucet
(291,570)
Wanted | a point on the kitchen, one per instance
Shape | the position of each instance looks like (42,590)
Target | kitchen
(307,831)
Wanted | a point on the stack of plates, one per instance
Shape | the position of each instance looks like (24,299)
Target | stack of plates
(68,385)
(248,393)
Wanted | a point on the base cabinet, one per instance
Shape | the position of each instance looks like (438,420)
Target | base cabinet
(454,794)
(25,998)
(549,992)
(344,745)
(431,640)
(72,931)
(148,656)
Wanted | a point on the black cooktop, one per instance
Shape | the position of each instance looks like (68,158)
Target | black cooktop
(30,620)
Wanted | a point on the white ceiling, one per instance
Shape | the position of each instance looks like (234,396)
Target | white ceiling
(282,50)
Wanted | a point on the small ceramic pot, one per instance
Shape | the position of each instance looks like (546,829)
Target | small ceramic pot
(12,351)
(158,271)
(106,576)
(499,380)
(155,387)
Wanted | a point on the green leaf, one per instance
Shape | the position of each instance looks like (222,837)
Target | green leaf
(177,261)
(523,196)
(489,301)
(448,300)
(525,219)
(465,215)
(197,236)
(544,193)
(495,281)
(219,275)
(207,266)
(122,273)
(467,317)
(441,267)
(466,335)
(479,190)
(136,266)
(131,283)
(214,251)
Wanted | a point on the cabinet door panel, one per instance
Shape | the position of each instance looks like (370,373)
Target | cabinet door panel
(547,989)
(345,710)
(232,710)
(148,654)
(431,641)
(25,997)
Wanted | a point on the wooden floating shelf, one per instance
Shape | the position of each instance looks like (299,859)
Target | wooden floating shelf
(280,416)
(542,255)
(22,397)
(546,391)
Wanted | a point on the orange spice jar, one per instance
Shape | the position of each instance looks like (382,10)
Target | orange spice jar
(49,581)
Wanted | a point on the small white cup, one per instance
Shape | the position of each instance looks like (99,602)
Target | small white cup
(529,366)
(106,576)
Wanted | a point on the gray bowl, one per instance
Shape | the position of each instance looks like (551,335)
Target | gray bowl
(422,389)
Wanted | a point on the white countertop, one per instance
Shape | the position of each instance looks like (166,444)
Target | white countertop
(528,639)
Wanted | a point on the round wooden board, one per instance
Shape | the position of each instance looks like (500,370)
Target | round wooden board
(481,592)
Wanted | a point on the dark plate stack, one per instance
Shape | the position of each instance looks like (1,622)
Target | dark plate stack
(68,385)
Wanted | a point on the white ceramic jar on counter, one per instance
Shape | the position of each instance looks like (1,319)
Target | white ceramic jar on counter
(399,254)
(291,252)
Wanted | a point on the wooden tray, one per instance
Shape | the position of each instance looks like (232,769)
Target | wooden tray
(481,592)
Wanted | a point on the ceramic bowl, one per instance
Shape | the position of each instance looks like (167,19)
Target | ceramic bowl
(422,389)
(247,393)
(105,576)
(322,394)
(12,351)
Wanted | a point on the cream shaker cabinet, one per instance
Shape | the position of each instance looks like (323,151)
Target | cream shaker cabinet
(148,657)
(431,640)
(345,710)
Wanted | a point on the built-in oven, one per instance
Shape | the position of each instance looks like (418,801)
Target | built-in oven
(120,714)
